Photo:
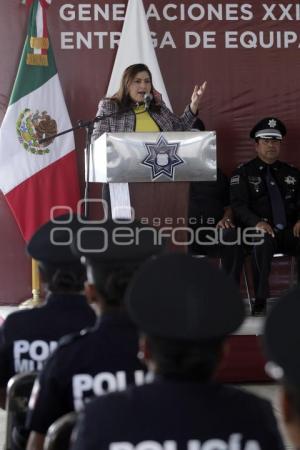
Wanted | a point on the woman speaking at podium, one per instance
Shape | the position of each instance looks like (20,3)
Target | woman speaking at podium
(138,107)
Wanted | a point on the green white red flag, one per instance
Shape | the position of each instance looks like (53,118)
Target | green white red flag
(39,180)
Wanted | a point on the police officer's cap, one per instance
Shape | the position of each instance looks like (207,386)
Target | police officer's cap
(114,242)
(268,128)
(50,244)
(282,338)
(177,296)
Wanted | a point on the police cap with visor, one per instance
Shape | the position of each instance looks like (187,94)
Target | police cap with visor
(116,242)
(282,338)
(268,128)
(177,296)
(50,244)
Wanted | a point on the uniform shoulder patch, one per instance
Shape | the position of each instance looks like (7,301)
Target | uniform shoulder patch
(235,180)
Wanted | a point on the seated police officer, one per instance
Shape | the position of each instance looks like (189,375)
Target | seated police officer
(27,337)
(185,309)
(282,343)
(103,358)
(211,218)
(265,195)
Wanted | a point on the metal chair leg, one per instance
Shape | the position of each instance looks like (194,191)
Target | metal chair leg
(247,287)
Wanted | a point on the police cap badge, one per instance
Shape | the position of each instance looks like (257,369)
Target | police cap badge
(268,128)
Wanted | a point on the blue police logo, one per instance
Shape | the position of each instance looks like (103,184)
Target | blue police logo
(162,157)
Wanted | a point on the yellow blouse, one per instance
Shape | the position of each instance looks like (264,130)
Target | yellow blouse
(143,120)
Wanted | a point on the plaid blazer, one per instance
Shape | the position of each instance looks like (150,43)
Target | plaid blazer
(123,122)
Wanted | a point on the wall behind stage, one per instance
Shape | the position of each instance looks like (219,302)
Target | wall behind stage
(248,52)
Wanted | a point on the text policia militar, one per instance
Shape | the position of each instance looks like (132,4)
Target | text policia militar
(258,18)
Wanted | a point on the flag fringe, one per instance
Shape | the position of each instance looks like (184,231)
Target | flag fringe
(36,60)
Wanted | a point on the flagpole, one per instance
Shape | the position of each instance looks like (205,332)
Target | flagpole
(36,287)
(36,284)
(37,109)
(35,300)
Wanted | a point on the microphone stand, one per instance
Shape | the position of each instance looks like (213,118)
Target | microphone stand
(87,151)
(89,127)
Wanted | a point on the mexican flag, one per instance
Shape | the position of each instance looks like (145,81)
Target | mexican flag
(39,179)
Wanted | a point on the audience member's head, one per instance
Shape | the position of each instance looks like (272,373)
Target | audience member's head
(60,269)
(112,251)
(185,309)
(268,134)
(282,344)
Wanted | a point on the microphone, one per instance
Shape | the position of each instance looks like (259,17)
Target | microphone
(147,100)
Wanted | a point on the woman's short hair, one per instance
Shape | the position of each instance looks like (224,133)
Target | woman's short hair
(186,360)
(63,278)
(111,281)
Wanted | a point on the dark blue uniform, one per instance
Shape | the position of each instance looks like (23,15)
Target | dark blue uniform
(249,194)
(96,361)
(27,337)
(251,204)
(177,415)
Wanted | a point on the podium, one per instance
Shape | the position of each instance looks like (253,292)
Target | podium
(158,166)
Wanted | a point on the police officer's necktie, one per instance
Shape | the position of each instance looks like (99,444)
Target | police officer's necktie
(278,210)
